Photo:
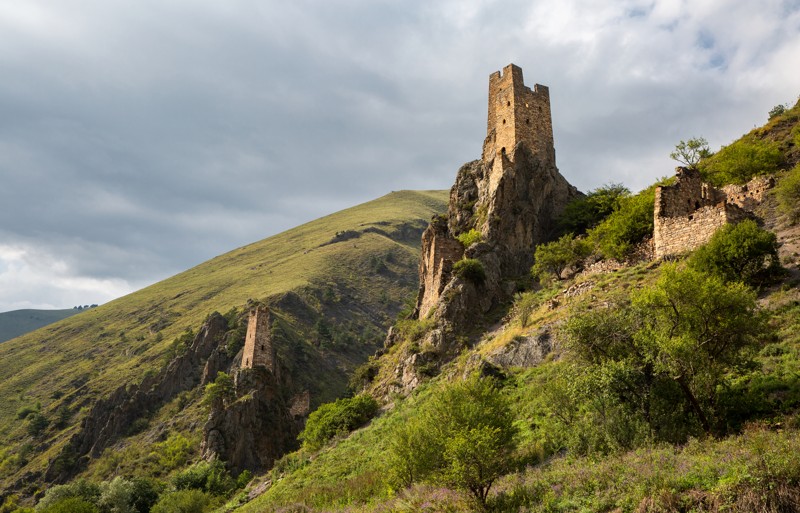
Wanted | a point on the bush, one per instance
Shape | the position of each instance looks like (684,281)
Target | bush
(587,212)
(71,505)
(24,411)
(788,191)
(552,258)
(37,423)
(463,437)
(208,477)
(627,226)
(340,417)
(469,238)
(741,252)
(470,269)
(182,501)
(742,161)
(220,390)
(80,489)
(777,110)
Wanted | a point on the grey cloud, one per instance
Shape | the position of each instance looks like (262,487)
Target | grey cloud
(139,139)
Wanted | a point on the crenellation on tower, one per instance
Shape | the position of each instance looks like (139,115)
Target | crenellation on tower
(258,350)
(516,114)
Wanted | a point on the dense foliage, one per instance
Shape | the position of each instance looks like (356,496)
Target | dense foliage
(741,252)
(464,437)
(627,226)
(470,269)
(337,418)
(788,190)
(552,258)
(469,238)
(586,212)
(741,161)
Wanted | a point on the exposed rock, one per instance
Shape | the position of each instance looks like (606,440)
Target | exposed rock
(111,418)
(255,428)
(527,351)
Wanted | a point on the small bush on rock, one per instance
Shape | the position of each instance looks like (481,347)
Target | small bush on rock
(470,269)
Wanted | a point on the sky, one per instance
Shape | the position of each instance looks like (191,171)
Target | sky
(139,139)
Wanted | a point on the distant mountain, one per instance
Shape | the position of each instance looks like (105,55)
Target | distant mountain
(19,322)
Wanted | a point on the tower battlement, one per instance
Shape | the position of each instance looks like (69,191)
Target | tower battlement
(258,350)
(517,113)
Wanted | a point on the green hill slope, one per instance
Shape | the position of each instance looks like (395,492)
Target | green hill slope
(18,322)
(352,270)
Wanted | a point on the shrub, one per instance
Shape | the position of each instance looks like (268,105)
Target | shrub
(788,191)
(469,238)
(182,501)
(742,252)
(173,452)
(332,419)
(463,437)
(71,505)
(37,423)
(777,110)
(220,390)
(741,161)
(587,212)
(552,258)
(631,223)
(470,269)
(80,489)
(24,411)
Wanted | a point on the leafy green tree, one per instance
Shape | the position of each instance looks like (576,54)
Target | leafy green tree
(699,328)
(587,212)
(673,348)
(463,437)
(116,496)
(741,252)
(80,489)
(630,224)
(553,257)
(691,152)
(777,110)
(339,417)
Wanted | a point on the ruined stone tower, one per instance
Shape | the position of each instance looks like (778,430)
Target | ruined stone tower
(258,350)
(517,114)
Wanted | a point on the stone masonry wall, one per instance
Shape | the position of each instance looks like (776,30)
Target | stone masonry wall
(258,350)
(688,213)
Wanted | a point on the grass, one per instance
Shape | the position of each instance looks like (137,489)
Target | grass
(79,359)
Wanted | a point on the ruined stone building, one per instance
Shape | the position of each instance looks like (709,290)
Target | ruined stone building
(689,212)
(517,113)
(512,195)
(258,350)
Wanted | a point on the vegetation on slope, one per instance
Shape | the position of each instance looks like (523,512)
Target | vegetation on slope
(18,322)
(344,292)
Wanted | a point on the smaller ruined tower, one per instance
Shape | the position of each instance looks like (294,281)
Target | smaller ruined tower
(258,350)
(518,114)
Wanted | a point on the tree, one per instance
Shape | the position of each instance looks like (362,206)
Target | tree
(463,437)
(741,252)
(339,417)
(553,257)
(673,347)
(631,223)
(587,212)
(689,153)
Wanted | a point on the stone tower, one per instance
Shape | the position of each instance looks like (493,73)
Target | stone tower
(517,114)
(258,350)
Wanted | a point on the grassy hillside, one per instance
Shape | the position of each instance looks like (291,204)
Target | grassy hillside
(584,442)
(18,322)
(361,260)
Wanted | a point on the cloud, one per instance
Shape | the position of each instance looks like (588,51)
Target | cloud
(139,139)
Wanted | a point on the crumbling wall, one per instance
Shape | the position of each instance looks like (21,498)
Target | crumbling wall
(689,212)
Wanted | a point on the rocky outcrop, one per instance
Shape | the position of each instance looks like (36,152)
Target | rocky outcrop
(254,427)
(528,351)
(514,211)
(111,418)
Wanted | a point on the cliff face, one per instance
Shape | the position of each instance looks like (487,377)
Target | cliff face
(514,204)
(255,427)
